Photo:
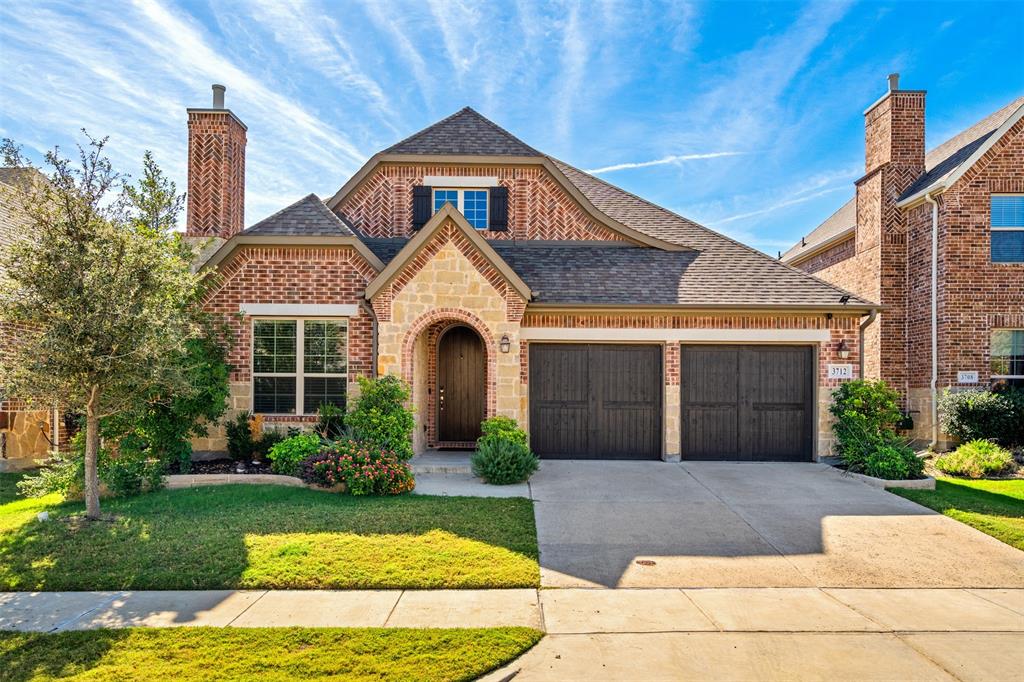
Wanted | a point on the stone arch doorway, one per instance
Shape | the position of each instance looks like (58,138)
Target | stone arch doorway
(460,385)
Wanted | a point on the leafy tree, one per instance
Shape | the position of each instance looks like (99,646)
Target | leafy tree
(104,287)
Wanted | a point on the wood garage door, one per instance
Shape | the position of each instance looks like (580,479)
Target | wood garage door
(747,402)
(595,401)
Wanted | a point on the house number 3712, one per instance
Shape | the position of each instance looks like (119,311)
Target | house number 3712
(840,371)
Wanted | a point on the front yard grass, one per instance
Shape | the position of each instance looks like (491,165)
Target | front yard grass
(272,537)
(993,507)
(266,654)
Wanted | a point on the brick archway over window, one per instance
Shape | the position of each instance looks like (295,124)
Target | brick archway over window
(435,323)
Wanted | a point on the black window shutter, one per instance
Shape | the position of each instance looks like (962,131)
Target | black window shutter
(498,219)
(420,206)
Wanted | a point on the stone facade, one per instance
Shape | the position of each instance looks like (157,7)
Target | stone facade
(891,262)
(216,174)
(538,207)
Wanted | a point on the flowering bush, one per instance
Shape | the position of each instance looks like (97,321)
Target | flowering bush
(363,469)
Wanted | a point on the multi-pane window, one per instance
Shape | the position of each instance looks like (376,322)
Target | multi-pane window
(1007,364)
(1007,228)
(297,365)
(472,203)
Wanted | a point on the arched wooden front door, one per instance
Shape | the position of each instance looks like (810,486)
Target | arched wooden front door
(461,385)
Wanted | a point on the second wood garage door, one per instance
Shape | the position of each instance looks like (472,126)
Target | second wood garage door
(596,401)
(747,402)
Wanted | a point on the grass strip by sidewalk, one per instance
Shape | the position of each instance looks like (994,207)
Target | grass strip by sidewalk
(273,537)
(191,654)
(993,507)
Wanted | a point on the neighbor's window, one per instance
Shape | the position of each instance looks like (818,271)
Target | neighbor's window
(1007,228)
(297,365)
(472,203)
(1008,357)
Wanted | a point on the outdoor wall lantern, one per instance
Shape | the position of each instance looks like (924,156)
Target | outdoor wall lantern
(505,344)
(844,350)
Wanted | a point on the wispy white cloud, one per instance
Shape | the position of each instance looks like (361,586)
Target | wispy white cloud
(384,17)
(312,33)
(664,161)
(574,52)
(460,26)
(779,205)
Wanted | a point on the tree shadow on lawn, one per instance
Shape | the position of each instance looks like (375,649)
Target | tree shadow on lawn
(247,536)
(29,656)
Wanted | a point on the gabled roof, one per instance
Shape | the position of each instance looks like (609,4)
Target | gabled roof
(464,132)
(953,157)
(943,165)
(414,245)
(307,216)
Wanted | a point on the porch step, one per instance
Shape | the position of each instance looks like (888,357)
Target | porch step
(441,463)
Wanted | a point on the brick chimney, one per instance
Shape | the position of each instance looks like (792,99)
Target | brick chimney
(893,160)
(894,129)
(216,170)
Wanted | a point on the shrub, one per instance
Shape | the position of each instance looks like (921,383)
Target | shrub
(866,417)
(893,462)
(976,459)
(502,461)
(983,415)
(380,418)
(287,455)
(241,445)
(128,473)
(364,470)
(330,421)
(247,440)
(501,428)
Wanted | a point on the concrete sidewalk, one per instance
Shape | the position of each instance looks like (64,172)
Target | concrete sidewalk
(563,611)
(625,634)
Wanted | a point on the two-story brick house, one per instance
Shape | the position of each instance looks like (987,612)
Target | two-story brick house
(498,280)
(938,240)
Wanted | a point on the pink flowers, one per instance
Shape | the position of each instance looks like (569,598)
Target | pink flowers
(364,471)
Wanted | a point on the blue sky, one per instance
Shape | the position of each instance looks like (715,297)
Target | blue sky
(746,117)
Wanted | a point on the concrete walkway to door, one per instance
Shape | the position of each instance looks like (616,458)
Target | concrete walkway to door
(725,524)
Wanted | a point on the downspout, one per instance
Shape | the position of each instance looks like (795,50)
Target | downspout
(860,340)
(373,336)
(935,320)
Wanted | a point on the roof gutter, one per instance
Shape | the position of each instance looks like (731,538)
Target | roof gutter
(863,326)
(849,308)
(935,320)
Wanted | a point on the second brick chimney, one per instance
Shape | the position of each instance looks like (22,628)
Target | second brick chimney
(216,170)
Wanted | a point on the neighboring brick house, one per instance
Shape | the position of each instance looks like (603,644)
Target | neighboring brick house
(879,246)
(26,435)
(498,280)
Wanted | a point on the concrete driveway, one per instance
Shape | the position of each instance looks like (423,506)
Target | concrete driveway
(724,524)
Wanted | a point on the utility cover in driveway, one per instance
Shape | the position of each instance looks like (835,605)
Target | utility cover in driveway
(595,401)
(747,402)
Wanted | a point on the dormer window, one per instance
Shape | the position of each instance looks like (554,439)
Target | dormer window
(472,203)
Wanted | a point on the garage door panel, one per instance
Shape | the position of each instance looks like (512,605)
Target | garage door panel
(595,401)
(709,432)
(747,402)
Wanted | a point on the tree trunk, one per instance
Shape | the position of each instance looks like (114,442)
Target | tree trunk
(92,449)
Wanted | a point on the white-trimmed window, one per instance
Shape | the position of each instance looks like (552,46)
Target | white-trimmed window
(1007,211)
(1007,363)
(297,365)
(472,203)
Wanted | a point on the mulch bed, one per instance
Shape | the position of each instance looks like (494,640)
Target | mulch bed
(228,466)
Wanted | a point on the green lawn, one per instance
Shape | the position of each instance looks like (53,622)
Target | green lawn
(993,507)
(191,654)
(266,536)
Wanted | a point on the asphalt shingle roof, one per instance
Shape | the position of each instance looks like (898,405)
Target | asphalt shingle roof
(307,217)
(725,272)
(616,273)
(938,163)
(464,132)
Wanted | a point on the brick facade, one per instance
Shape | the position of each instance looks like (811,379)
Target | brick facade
(891,263)
(216,174)
(538,206)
